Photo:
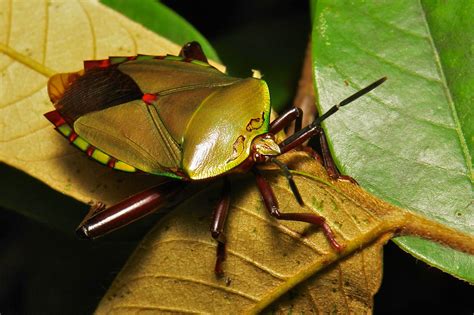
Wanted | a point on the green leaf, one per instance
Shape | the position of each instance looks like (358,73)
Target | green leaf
(162,20)
(410,140)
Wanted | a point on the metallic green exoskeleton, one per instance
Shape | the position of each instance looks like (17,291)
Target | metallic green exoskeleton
(167,115)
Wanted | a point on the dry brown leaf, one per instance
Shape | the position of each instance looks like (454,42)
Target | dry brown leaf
(38,39)
(346,287)
(172,270)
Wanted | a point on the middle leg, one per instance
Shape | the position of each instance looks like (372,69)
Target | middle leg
(219,217)
(271,204)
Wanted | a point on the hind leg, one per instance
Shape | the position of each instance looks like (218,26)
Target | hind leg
(101,220)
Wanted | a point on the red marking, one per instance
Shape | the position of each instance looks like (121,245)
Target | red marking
(149,98)
(111,162)
(73,136)
(55,117)
(188,59)
(89,64)
(90,150)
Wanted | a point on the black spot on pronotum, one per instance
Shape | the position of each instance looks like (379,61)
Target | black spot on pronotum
(237,148)
(255,123)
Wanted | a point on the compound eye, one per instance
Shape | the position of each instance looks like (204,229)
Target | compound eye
(258,158)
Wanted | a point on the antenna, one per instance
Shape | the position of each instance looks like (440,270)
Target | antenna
(307,132)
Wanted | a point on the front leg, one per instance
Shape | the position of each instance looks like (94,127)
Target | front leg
(326,159)
(101,220)
(286,118)
(329,163)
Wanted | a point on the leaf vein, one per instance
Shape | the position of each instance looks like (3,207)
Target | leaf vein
(46,29)
(447,92)
(386,61)
(153,307)
(342,292)
(228,251)
(91,27)
(387,105)
(274,223)
(5,105)
(199,282)
(390,25)
(397,154)
(27,61)
(4,69)
(132,37)
(9,22)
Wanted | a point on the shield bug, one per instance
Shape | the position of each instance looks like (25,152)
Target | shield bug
(177,116)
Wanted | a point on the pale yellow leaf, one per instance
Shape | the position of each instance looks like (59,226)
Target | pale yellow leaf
(40,38)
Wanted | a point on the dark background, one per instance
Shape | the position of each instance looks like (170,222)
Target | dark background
(44,270)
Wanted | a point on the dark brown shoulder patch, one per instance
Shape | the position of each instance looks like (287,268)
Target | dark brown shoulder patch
(97,89)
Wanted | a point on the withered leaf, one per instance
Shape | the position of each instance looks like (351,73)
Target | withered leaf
(172,270)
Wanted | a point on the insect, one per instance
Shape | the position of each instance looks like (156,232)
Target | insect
(179,117)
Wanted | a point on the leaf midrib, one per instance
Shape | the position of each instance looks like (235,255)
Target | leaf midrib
(27,61)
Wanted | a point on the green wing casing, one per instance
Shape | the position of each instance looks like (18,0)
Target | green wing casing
(133,133)
(171,76)
(200,125)
(219,135)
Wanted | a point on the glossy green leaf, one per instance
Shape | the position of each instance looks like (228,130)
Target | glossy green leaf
(409,141)
(162,20)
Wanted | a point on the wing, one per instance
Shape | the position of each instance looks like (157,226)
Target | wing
(134,133)
(104,105)
(173,74)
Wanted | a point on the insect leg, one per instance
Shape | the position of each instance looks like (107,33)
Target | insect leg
(289,177)
(326,159)
(101,220)
(219,217)
(286,118)
(293,114)
(271,204)
(329,163)
(193,50)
